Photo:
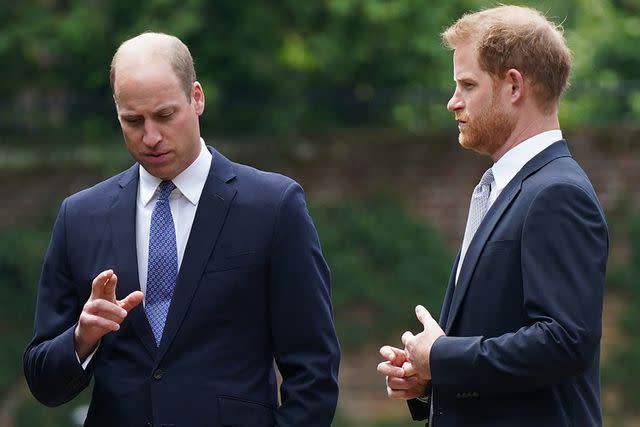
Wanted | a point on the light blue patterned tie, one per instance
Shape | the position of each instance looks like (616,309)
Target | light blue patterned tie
(162,270)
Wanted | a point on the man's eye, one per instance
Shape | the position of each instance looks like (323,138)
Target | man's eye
(132,120)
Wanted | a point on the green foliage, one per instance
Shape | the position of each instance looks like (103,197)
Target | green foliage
(21,253)
(384,262)
(289,66)
(623,370)
(604,36)
(31,413)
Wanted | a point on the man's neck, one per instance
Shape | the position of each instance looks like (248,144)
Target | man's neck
(525,129)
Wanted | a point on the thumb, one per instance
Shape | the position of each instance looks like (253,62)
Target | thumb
(131,300)
(394,355)
(423,316)
(409,369)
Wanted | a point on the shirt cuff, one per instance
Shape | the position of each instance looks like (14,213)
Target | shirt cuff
(88,359)
(424,399)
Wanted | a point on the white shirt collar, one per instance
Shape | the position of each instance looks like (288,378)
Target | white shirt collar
(189,182)
(513,160)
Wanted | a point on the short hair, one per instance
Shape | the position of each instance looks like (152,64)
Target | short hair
(172,49)
(517,37)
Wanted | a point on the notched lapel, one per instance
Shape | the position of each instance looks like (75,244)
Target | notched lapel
(477,244)
(497,210)
(211,214)
(448,296)
(123,228)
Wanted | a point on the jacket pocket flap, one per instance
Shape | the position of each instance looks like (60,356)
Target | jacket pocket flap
(235,412)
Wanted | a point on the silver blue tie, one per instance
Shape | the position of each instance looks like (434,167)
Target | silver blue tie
(477,210)
(162,271)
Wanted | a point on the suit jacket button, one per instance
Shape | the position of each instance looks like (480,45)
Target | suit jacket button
(157,374)
(148,425)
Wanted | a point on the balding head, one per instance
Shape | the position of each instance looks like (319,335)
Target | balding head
(148,47)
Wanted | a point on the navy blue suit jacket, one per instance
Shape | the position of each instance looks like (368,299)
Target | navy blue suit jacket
(253,288)
(523,323)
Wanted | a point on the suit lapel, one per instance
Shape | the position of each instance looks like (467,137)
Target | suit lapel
(217,196)
(122,215)
(477,244)
(448,296)
(497,210)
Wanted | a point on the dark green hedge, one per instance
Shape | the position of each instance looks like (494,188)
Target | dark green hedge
(384,262)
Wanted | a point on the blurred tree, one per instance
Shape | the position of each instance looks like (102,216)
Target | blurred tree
(604,39)
(383,263)
(288,65)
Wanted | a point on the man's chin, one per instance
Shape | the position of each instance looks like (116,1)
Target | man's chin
(472,145)
(465,142)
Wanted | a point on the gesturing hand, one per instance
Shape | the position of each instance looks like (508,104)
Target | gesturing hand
(102,313)
(418,347)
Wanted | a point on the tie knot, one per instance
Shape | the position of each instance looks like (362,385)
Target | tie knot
(165,188)
(487,177)
(484,184)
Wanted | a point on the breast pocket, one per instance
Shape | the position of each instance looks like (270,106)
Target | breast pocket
(238,260)
(499,261)
(231,282)
(499,247)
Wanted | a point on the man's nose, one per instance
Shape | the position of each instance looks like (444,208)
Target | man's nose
(455,103)
(152,135)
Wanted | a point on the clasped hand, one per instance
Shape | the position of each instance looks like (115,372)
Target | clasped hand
(407,370)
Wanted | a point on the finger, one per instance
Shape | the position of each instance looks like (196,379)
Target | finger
(393,355)
(88,320)
(131,300)
(103,308)
(99,282)
(109,288)
(409,369)
(401,394)
(406,337)
(402,383)
(389,370)
(424,316)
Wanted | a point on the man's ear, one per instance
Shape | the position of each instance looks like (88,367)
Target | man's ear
(198,97)
(515,79)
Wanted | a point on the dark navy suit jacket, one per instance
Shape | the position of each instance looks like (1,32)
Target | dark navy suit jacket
(253,288)
(523,323)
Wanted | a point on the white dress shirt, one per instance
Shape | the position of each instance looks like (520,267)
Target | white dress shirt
(183,202)
(513,160)
(506,168)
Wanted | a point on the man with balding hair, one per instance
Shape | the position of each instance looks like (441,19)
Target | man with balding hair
(518,339)
(178,284)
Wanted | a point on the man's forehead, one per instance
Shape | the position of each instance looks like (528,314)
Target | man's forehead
(143,49)
(147,42)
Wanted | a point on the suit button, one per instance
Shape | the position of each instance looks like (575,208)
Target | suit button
(157,374)
(148,425)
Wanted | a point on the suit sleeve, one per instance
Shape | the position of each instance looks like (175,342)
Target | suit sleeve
(50,365)
(564,246)
(304,340)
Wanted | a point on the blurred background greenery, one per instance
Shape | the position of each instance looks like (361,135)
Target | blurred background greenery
(348,97)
